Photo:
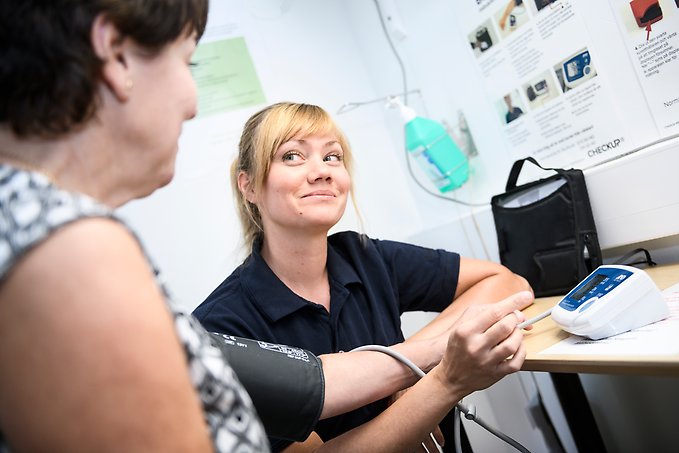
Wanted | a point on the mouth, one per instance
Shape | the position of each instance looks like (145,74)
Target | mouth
(320,193)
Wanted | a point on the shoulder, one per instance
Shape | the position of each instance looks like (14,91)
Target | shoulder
(88,273)
(32,210)
(229,292)
(231,307)
(352,242)
(94,278)
(93,253)
(354,247)
(357,243)
(363,252)
(347,237)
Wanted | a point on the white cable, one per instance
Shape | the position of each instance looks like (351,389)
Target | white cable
(438,447)
(456,430)
(395,354)
(406,361)
(537,318)
(469,412)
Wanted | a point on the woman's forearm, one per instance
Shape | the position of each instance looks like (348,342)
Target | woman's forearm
(354,379)
(405,423)
(488,289)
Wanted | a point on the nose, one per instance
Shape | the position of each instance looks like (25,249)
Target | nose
(319,171)
(192,101)
(192,113)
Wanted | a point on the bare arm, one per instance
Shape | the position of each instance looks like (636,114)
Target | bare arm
(354,379)
(89,353)
(505,14)
(483,347)
(479,282)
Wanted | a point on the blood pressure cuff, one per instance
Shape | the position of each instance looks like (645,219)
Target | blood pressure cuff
(286,384)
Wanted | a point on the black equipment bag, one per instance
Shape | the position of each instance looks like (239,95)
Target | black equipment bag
(545,229)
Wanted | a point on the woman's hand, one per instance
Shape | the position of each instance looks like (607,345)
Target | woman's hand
(484,345)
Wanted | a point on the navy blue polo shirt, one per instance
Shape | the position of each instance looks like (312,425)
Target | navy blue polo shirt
(372,282)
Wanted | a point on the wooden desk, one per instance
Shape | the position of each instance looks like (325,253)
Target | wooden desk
(545,333)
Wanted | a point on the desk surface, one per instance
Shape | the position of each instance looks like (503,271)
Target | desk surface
(546,333)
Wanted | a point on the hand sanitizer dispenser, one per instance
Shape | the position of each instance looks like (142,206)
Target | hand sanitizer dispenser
(429,144)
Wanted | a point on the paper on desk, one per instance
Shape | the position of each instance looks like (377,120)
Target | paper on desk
(660,338)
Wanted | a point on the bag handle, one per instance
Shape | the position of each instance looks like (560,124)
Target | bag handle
(624,259)
(516,169)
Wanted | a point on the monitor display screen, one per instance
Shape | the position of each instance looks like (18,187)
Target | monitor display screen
(593,282)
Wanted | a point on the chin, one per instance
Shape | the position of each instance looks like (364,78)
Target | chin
(164,173)
(162,181)
(166,179)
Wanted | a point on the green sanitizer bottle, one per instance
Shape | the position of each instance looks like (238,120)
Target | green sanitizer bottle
(429,144)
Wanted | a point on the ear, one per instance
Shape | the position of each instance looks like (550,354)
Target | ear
(245,187)
(111,48)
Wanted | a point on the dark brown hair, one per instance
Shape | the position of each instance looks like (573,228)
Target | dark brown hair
(48,69)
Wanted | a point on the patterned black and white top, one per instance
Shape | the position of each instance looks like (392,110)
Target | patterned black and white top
(31,209)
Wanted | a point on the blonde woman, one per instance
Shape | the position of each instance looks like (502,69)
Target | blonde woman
(323,293)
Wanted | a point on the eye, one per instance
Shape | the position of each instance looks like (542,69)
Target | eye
(193,68)
(291,156)
(334,157)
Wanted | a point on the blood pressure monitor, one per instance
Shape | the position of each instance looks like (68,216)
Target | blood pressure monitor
(611,300)
(578,69)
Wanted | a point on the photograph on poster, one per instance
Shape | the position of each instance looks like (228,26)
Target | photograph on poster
(640,16)
(510,107)
(540,89)
(511,16)
(483,38)
(540,4)
(575,70)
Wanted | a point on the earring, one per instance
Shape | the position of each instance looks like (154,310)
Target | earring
(129,84)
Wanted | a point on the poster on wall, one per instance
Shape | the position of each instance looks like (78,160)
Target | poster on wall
(548,78)
(649,30)
(223,66)
(225,77)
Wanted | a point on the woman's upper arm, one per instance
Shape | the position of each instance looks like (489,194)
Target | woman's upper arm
(424,278)
(89,358)
(473,271)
